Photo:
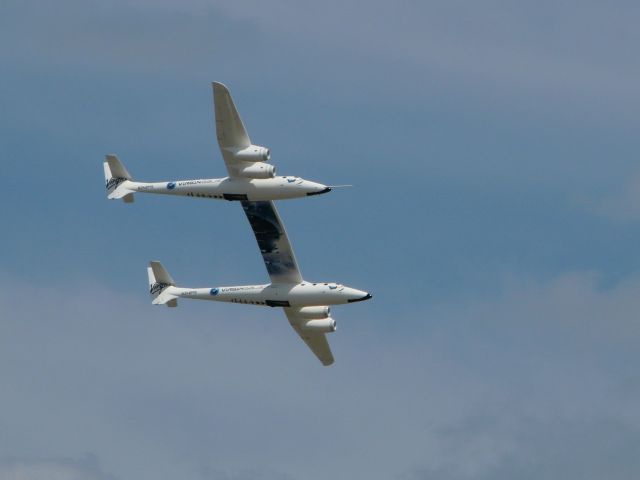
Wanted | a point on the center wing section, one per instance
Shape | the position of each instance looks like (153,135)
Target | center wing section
(273,242)
(316,341)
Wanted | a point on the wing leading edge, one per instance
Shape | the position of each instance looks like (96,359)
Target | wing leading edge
(282,267)
(229,127)
(230,131)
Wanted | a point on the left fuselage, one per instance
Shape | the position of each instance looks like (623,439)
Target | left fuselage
(277,295)
(231,188)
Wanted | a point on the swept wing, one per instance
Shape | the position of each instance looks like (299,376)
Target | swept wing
(282,267)
(316,341)
(233,138)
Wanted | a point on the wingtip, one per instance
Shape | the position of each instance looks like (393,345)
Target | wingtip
(327,360)
(219,86)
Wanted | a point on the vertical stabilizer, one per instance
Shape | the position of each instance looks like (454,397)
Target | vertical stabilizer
(117,179)
(161,285)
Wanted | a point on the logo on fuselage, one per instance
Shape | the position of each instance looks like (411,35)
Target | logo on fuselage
(214,291)
(171,185)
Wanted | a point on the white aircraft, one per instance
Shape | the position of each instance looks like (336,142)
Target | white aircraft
(305,304)
(250,177)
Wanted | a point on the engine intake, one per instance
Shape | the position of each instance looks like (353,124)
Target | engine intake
(325,325)
(256,170)
(252,153)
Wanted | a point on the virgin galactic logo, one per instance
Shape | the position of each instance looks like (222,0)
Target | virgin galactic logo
(171,185)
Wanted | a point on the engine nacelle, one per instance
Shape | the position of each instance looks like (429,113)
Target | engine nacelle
(252,153)
(325,325)
(313,313)
(256,170)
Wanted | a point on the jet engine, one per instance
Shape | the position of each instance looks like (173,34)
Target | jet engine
(325,325)
(313,313)
(256,170)
(252,153)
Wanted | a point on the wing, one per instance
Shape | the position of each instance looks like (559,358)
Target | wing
(229,127)
(316,341)
(273,242)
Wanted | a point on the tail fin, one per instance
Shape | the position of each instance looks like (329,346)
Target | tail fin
(116,176)
(160,285)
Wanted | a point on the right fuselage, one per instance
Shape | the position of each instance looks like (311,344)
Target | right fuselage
(231,188)
(277,295)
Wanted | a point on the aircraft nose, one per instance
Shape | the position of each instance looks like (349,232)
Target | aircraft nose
(319,189)
(360,297)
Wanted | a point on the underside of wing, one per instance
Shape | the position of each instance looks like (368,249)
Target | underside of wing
(315,340)
(273,242)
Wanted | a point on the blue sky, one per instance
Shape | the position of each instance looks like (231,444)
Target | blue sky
(495,218)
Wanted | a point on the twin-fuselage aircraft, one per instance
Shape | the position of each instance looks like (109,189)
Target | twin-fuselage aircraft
(252,182)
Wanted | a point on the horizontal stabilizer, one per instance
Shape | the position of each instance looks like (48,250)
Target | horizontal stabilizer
(121,191)
(166,298)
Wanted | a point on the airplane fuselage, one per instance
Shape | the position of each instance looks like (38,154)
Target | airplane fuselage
(232,188)
(274,295)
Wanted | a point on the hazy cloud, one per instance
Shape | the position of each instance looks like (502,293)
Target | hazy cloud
(86,468)
(209,473)
(454,371)
(481,387)
(621,206)
(589,449)
(559,51)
